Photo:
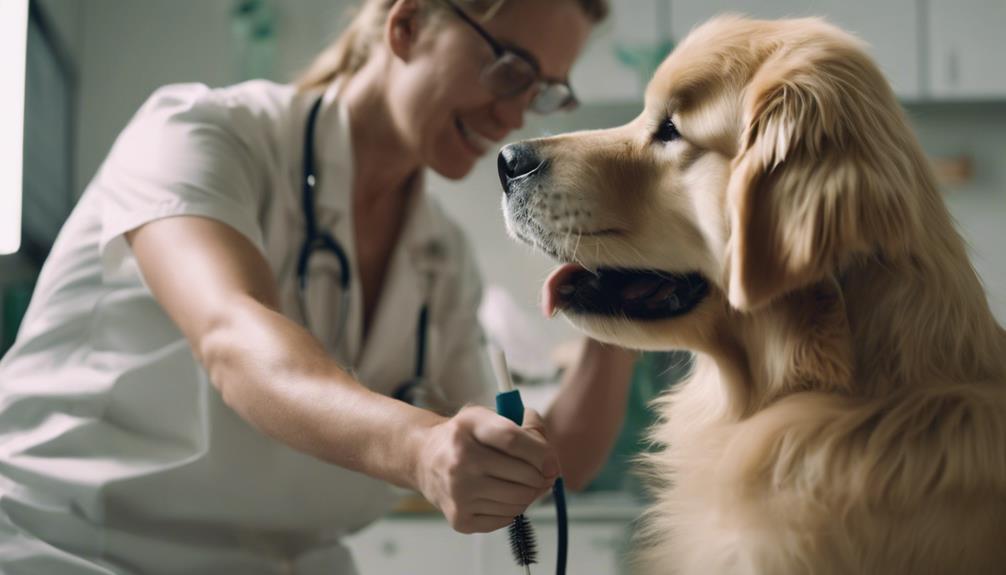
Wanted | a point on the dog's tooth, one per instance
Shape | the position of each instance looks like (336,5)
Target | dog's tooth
(566,289)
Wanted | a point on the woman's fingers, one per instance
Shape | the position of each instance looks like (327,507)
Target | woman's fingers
(478,466)
(527,443)
(482,524)
(492,508)
(493,489)
(535,423)
(512,470)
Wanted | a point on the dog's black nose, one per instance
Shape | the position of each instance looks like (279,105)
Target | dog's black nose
(516,161)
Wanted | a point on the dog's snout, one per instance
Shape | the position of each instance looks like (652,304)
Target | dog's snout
(517,161)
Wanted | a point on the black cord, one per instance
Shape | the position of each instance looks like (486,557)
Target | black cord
(562,524)
(421,331)
(313,239)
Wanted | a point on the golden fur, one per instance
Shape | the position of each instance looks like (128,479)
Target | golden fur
(847,411)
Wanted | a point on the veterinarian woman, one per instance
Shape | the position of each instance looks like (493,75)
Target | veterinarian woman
(216,370)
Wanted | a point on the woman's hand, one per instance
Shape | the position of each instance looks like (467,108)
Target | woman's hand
(482,470)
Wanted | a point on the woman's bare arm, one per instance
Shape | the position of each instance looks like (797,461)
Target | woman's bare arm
(216,286)
(587,415)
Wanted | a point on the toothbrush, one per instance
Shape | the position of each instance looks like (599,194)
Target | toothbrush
(509,405)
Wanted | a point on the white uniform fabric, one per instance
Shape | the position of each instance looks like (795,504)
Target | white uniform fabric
(117,455)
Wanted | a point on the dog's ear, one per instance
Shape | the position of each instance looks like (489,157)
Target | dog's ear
(815,180)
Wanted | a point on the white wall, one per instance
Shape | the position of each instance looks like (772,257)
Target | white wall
(129,48)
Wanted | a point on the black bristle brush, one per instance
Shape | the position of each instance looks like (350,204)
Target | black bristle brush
(510,406)
(522,542)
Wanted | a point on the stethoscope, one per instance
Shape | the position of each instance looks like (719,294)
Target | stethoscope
(316,240)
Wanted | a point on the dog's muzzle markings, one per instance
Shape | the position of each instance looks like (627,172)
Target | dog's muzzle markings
(638,294)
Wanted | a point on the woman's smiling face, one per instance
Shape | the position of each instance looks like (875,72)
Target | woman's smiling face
(442,108)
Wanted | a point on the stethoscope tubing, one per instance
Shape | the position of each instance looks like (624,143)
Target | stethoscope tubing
(313,240)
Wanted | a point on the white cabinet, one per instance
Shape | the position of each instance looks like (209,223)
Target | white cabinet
(420,546)
(967,49)
(928,49)
(889,27)
(430,547)
(594,548)
(605,73)
(600,525)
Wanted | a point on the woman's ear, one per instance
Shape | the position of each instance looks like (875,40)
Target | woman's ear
(402,27)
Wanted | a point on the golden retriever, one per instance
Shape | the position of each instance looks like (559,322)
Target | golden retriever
(771,210)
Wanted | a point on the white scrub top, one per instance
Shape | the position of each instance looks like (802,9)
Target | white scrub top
(117,454)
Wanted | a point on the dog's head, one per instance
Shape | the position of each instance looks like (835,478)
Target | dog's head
(768,156)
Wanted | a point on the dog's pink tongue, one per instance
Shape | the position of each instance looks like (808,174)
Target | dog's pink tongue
(550,297)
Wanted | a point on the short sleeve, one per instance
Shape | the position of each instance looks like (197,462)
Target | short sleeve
(182,154)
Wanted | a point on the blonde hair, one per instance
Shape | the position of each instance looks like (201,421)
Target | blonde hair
(351,49)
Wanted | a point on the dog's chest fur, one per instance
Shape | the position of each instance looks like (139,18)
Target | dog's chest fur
(793,489)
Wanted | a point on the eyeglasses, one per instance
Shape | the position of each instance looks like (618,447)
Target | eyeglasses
(513,73)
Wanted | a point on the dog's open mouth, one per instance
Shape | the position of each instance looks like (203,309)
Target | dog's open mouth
(635,294)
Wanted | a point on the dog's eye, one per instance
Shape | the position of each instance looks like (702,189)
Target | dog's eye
(667,132)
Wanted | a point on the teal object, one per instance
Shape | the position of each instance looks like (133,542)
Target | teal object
(253,28)
(654,373)
(644,58)
(510,406)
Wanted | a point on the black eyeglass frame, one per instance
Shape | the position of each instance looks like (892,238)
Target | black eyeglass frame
(542,103)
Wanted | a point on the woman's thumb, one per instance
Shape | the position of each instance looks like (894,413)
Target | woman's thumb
(534,422)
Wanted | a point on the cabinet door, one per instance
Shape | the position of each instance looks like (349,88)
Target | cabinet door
(594,548)
(889,27)
(967,48)
(413,546)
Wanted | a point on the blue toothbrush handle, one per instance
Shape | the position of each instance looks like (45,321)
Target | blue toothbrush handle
(509,405)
